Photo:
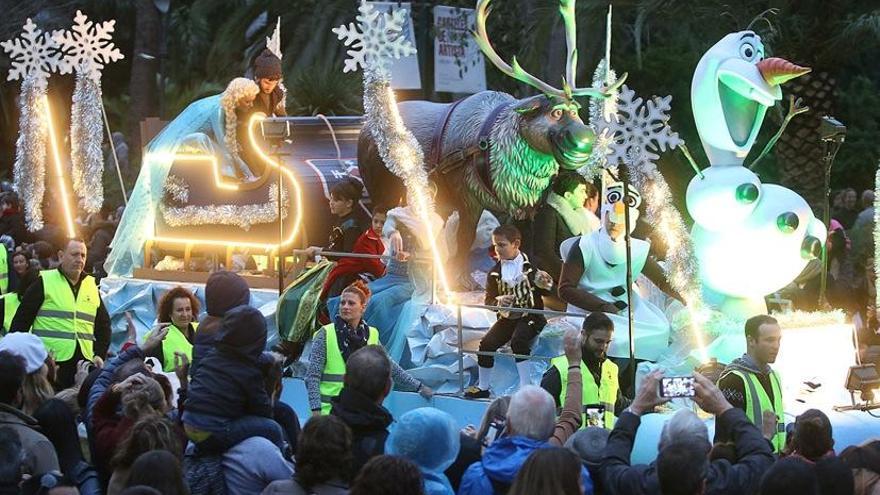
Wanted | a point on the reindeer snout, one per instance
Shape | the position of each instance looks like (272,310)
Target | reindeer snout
(577,138)
(573,145)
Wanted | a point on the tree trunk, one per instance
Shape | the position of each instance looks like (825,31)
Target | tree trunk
(144,67)
(799,151)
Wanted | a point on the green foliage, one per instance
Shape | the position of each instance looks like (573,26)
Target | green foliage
(325,90)
(858,157)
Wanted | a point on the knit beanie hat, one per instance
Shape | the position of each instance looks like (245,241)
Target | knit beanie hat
(267,66)
(28,347)
(224,291)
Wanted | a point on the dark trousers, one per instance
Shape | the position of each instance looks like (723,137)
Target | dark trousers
(66,373)
(519,332)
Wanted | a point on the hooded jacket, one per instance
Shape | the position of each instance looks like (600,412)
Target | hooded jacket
(734,389)
(228,381)
(501,461)
(368,422)
(39,454)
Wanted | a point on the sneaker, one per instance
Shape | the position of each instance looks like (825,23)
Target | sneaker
(475,392)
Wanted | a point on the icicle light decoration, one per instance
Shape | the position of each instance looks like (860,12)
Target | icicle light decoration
(86,47)
(29,170)
(33,56)
(376,40)
(86,136)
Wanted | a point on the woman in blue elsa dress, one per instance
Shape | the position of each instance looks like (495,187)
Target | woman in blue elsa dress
(402,295)
(207,126)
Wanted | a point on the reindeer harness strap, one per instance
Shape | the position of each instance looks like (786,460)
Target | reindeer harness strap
(480,152)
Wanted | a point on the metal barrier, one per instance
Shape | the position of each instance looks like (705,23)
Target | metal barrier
(460,329)
(529,357)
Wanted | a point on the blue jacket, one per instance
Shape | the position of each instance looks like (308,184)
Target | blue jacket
(501,462)
(228,381)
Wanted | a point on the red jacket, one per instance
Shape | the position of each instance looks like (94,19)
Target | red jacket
(368,243)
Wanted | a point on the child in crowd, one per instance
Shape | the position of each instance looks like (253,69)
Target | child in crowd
(347,270)
(512,283)
(226,403)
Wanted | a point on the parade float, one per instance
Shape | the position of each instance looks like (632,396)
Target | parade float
(190,212)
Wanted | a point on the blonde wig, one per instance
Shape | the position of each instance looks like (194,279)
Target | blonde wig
(237,89)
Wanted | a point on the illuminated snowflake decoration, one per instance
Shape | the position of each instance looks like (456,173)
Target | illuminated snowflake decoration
(376,39)
(640,131)
(87,46)
(34,54)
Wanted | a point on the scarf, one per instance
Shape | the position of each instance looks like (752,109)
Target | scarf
(512,270)
(350,339)
(575,218)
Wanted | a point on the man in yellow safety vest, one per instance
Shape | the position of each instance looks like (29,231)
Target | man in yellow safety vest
(64,308)
(751,385)
(602,398)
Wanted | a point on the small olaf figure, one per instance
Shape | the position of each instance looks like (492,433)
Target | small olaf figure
(751,239)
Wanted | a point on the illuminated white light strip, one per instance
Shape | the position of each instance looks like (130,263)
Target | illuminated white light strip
(297,216)
(59,172)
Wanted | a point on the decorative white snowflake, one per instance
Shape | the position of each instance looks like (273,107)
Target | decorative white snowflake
(380,39)
(87,46)
(34,54)
(640,131)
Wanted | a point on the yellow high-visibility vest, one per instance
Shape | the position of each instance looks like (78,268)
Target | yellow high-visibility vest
(604,394)
(10,306)
(757,401)
(334,366)
(4,270)
(175,341)
(63,322)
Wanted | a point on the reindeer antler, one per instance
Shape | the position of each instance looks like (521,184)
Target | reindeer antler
(566,9)
(570,89)
(516,72)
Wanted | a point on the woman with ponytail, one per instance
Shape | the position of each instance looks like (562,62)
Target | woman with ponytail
(332,344)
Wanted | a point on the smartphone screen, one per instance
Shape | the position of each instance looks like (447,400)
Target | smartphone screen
(677,386)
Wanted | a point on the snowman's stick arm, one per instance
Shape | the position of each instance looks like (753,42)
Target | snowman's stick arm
(794,109)
(687,154)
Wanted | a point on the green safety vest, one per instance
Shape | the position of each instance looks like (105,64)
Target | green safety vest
(757,401)
(604,394)
(4,270)
(175,341)
(10,306)
(334,366)
(63,321)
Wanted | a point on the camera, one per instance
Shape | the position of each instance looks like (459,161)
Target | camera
(675,387)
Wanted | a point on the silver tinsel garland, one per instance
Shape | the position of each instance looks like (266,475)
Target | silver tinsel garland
(243,216)
(398,147)
(682,268)
(29,170)
(86,136)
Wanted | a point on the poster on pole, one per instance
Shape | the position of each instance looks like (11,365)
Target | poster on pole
(404,71)
(459,66)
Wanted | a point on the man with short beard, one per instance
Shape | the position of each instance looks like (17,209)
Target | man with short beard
(602,399)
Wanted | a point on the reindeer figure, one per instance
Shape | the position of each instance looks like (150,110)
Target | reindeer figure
(491,151)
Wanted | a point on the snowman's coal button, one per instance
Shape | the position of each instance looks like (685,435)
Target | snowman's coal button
(747,193)
(811,247)
(787,222)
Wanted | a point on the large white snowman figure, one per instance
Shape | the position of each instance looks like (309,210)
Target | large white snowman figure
(751,239)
